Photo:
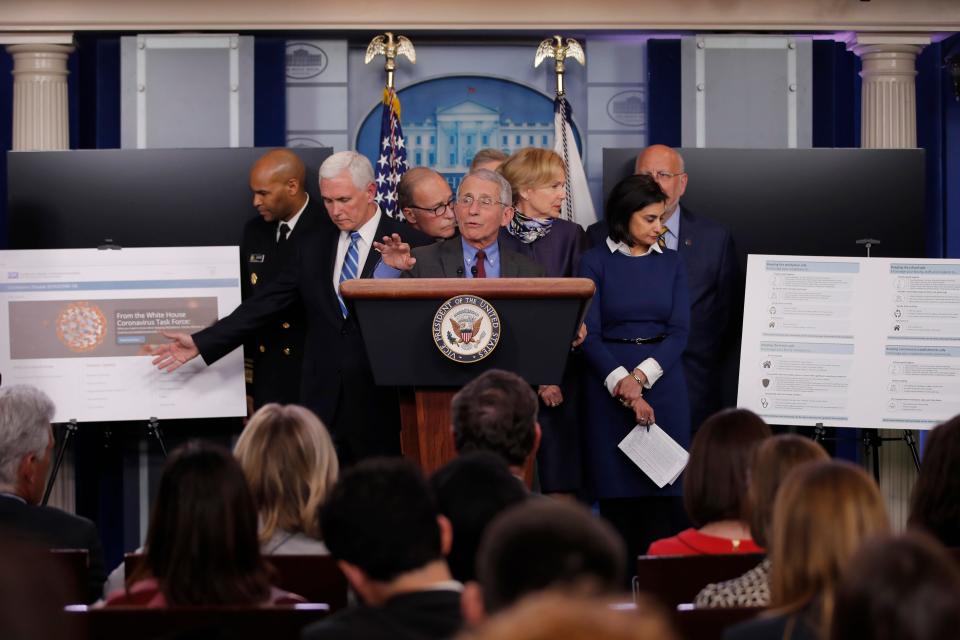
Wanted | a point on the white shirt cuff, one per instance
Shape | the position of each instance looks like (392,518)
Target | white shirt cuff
(652,369)
(614,377)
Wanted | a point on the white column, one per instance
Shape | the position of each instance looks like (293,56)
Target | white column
(40,110)
(888,103)
(888,120)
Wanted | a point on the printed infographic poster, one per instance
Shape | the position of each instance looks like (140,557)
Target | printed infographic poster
(851,342)
(79,324)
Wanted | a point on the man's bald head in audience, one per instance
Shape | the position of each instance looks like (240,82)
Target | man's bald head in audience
(277,182)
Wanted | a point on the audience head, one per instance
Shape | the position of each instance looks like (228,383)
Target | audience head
(202,542)
(348,189)
(773,459)
(290,464)
(822,514)
(471,490)
(496,411)
(541,545)
(715,481)
(276,181)
(483,205)
(381,522)
(26,441)
(935,505)
(905,588)
(538,180)
(551,616)
(426,201)
(631,205)
(488,159)
(665,165)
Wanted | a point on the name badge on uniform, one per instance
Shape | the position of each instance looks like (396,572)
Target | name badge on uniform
(257,257)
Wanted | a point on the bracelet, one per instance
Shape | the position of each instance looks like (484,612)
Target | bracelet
(639,382)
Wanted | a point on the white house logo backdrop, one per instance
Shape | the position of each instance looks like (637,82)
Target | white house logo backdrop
(466,328)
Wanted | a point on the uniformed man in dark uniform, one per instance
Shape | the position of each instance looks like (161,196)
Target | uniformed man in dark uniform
(274,358)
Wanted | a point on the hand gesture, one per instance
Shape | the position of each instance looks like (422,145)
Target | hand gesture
(643,412)
(550,394)
(395,252)
(581,336)
(628,389)
(173,355)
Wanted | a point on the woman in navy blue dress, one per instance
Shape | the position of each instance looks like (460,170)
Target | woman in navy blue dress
(538,180)
(636,331)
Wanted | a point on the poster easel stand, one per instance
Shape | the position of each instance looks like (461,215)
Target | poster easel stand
(71,430)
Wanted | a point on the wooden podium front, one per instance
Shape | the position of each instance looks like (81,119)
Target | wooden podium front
(538,317)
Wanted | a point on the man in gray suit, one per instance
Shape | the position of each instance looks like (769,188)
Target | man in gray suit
(483,205)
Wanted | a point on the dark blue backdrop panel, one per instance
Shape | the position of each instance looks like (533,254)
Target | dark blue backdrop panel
(835,92)
(663,92)
(269,92)
(6,134)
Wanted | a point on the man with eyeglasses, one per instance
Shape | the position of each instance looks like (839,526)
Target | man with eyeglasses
(482,206)
(712,277)
(426,201)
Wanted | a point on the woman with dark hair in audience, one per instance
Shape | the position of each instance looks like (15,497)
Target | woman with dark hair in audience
(772,460)
(538,180)
(715,487)
(636,331)
(823,513)
(202,546)
(905,588)
(935,504)
(288,458)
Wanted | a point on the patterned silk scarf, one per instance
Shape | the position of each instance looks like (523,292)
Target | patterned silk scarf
(528,229)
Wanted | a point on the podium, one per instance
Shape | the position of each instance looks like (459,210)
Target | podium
(430,336)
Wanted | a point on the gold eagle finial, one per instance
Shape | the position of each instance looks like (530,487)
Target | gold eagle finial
(559,49)
(390,47)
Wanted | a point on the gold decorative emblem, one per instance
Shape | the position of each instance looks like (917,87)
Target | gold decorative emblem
(466,328)
(559,49)
(390,46)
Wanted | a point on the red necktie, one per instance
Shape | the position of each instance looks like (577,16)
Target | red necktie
(481,268)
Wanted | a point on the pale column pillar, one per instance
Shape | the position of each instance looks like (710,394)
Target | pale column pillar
(888,120)
(888,102)
(40,110)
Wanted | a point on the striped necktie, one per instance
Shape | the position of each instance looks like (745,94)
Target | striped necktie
(662,238)
(351,267)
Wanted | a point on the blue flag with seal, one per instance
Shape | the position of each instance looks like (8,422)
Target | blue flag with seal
(392,156)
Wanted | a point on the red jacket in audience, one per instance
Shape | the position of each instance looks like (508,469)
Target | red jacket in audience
(693,543)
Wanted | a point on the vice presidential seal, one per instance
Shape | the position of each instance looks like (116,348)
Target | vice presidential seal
(466,328)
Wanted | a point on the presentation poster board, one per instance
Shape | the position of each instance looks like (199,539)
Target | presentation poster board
(851,342)
(78,324)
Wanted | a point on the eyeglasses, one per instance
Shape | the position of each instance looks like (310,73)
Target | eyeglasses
(662,175)
(485,202)
(437,210)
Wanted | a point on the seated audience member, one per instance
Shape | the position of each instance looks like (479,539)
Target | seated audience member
(715,487)
(202,546)
(488,159)
(470,491)
(544,545)
(773,459)
(34,589)
(497,411)
(823,512)
(382,526)
(905,588)
(26,446)
(935,504)
(288,458)
(551,616)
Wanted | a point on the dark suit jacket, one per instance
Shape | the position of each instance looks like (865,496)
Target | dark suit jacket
(714,284)
(274,357)
(56,529)
(336,380)
(422,615)
(445,260)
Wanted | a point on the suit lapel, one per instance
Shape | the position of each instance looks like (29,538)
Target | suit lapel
(451,257)
(685,238)
(508,266)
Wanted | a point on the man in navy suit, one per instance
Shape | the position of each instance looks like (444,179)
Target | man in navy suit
(336,379)
(712,276)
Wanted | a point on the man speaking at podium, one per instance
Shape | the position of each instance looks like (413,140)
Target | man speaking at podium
(482,206)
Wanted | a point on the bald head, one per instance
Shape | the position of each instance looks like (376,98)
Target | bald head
(665,165)
(277,183)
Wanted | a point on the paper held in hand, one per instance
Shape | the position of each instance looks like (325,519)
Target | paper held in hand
(656,453)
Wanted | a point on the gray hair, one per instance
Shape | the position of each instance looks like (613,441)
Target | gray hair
(506,193)
(357,165)
(25,415)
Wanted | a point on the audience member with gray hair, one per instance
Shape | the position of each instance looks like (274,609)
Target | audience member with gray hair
(483,206)
(26,446)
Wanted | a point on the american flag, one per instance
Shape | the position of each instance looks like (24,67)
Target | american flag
(392,163)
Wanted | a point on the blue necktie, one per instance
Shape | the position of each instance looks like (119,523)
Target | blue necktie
(351,267)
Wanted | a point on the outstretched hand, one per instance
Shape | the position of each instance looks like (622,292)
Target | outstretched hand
(173,355)
(395,252)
